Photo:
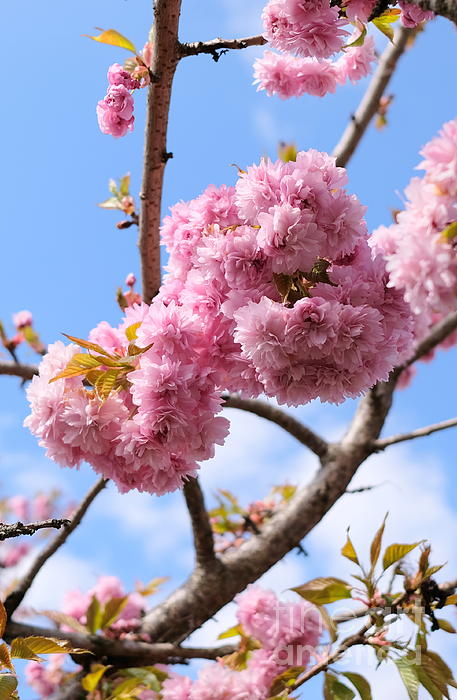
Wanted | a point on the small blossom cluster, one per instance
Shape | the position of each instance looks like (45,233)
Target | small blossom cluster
(46,679)
(271,288)
(287,633)
(115,111)
(421,258)
(308,35)
(76,604)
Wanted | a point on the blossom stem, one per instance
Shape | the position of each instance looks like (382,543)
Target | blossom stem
(18,529)
(216,45)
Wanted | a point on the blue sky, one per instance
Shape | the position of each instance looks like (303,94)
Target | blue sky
(63,258)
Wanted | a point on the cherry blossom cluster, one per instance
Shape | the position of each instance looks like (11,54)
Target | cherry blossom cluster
(420,247)
(115,111)
(309,35)
(278,634)
(25,333)
(76,604)
(271,288)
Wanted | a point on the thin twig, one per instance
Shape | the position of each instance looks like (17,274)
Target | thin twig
(439,332)
(165,59)
(353,640)
(215,46)
(14,369)
(18,529)
(370,101)
(16,597)
(420,432)
(201,526)
(301,432)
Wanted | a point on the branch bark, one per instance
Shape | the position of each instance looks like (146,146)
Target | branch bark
(445,8)
(14,369)
(439,332)
(18,529)
(420,432)
(212,47)
(120,651)
(301,432)
(16,597)
(165,50)
(201,526)
(370,101)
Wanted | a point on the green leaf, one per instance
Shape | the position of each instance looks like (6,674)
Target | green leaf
(335,690)
(87,345)
(324,590)
(408,673)
(232,632)
(113,188)
(79,364)
(3,619)
(384,22)
(428,684)
(286,679)
(130,332)
(287,152)
(28,647)
(111,203)
(360,684)
(360,39)
(153,586)
(375,549)
(126,688)
(107,382)
(348,550)
(63,619)
(395,552)
(94,616)
(449,233)
(8,685)
(329,623)
(111,36)
(451,599)
(5,658)
(446,626)
(91,681)
(112,610)
(433,570)
(124,185)
(429,660)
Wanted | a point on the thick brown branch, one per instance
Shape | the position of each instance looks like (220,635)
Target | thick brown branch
(214,46)
(420,432)
(18,529)
(16,597)
(120,652)
(201,526)
(370,101)
(445,8)
(14,369)
(165,50)
(305,435)
(201,596)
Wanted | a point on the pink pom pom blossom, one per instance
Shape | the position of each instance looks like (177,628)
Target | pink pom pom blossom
(412,15)
(115,111)
(356,62)
(304,28)
(289,76)
(45,679)
(117,75)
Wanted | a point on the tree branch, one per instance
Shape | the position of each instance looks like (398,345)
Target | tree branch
(120,651)
(420,432)
(16,597)
(370,101)
(305,435)
(14,369)
(445,8)
(439,332)
(216,45)
(201,526)
(18,529)
(165,59)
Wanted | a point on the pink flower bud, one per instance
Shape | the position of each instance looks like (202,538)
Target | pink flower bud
(22,319)
(130,280)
